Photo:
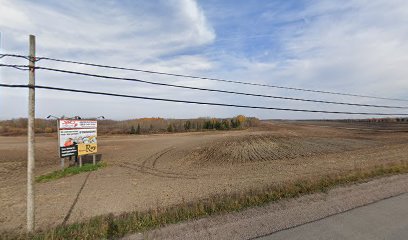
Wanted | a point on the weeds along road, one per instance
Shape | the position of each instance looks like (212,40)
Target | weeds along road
(152,171)
(351,212)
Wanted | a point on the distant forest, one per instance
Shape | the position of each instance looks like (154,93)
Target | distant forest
(18,126)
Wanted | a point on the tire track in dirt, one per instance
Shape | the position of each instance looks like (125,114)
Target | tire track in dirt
(153,158)
(156,172)
(148,166)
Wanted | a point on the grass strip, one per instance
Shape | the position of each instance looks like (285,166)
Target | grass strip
(69,171)
(115,226)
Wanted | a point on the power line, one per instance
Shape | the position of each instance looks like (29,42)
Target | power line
(19,67)
(200,103)
(14,55)
(206,78)
(219,79)
(25,67)
(217,90)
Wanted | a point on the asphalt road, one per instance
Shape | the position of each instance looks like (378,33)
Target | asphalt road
(386,219)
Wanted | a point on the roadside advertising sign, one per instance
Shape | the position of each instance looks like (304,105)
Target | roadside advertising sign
(77,137)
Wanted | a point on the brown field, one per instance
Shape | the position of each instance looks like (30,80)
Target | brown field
(150,171)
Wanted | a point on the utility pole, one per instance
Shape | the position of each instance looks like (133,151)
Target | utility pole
(30,134)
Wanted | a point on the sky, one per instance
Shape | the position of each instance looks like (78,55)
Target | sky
(355,46)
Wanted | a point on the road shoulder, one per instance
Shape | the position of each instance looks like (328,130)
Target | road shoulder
(285,214)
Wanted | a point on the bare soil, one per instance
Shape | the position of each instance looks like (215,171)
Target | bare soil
(151,171)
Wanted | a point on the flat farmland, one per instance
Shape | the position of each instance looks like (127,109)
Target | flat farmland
(152,171)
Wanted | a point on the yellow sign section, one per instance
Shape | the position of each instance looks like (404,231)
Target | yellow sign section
(84,149)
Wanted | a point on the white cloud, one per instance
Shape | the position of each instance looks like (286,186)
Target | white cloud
(361,49)
(84,26)
(141,35)
(201,31)
(356,46)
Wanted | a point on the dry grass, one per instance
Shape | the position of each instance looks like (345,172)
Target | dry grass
(115,226)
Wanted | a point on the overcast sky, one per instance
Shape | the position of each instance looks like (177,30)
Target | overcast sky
(356,46)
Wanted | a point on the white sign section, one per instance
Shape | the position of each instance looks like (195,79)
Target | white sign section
(77,136)
(77,124)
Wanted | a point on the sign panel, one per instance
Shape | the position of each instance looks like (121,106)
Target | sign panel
(84,149)
(68,151)
(77,137)
(77,124)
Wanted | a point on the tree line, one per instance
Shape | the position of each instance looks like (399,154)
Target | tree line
(18,126)
(161,125)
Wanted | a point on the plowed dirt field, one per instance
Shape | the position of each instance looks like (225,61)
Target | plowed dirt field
(159,170)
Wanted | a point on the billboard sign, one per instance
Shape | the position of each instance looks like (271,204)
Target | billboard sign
(77,137)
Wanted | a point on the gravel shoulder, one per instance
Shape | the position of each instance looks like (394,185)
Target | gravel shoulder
(260,221)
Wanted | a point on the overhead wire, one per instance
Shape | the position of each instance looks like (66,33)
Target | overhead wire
(14,55)
(216,90)
(26,67)
(19,67)
(198,102)
(208,78)
(219,79)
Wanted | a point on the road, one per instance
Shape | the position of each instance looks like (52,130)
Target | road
(369,210)
(386,219)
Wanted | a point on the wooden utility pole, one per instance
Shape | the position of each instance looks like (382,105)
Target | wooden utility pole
(30,133)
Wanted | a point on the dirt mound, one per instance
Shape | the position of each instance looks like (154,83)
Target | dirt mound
(268,147)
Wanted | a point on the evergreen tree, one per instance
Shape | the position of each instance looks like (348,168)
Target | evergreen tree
(226,124)
(170,128)
(207,125)
(233,123)
(138,129)
(217,125)
(187,125)
(132,130)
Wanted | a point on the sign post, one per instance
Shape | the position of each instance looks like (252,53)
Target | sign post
(61,158)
